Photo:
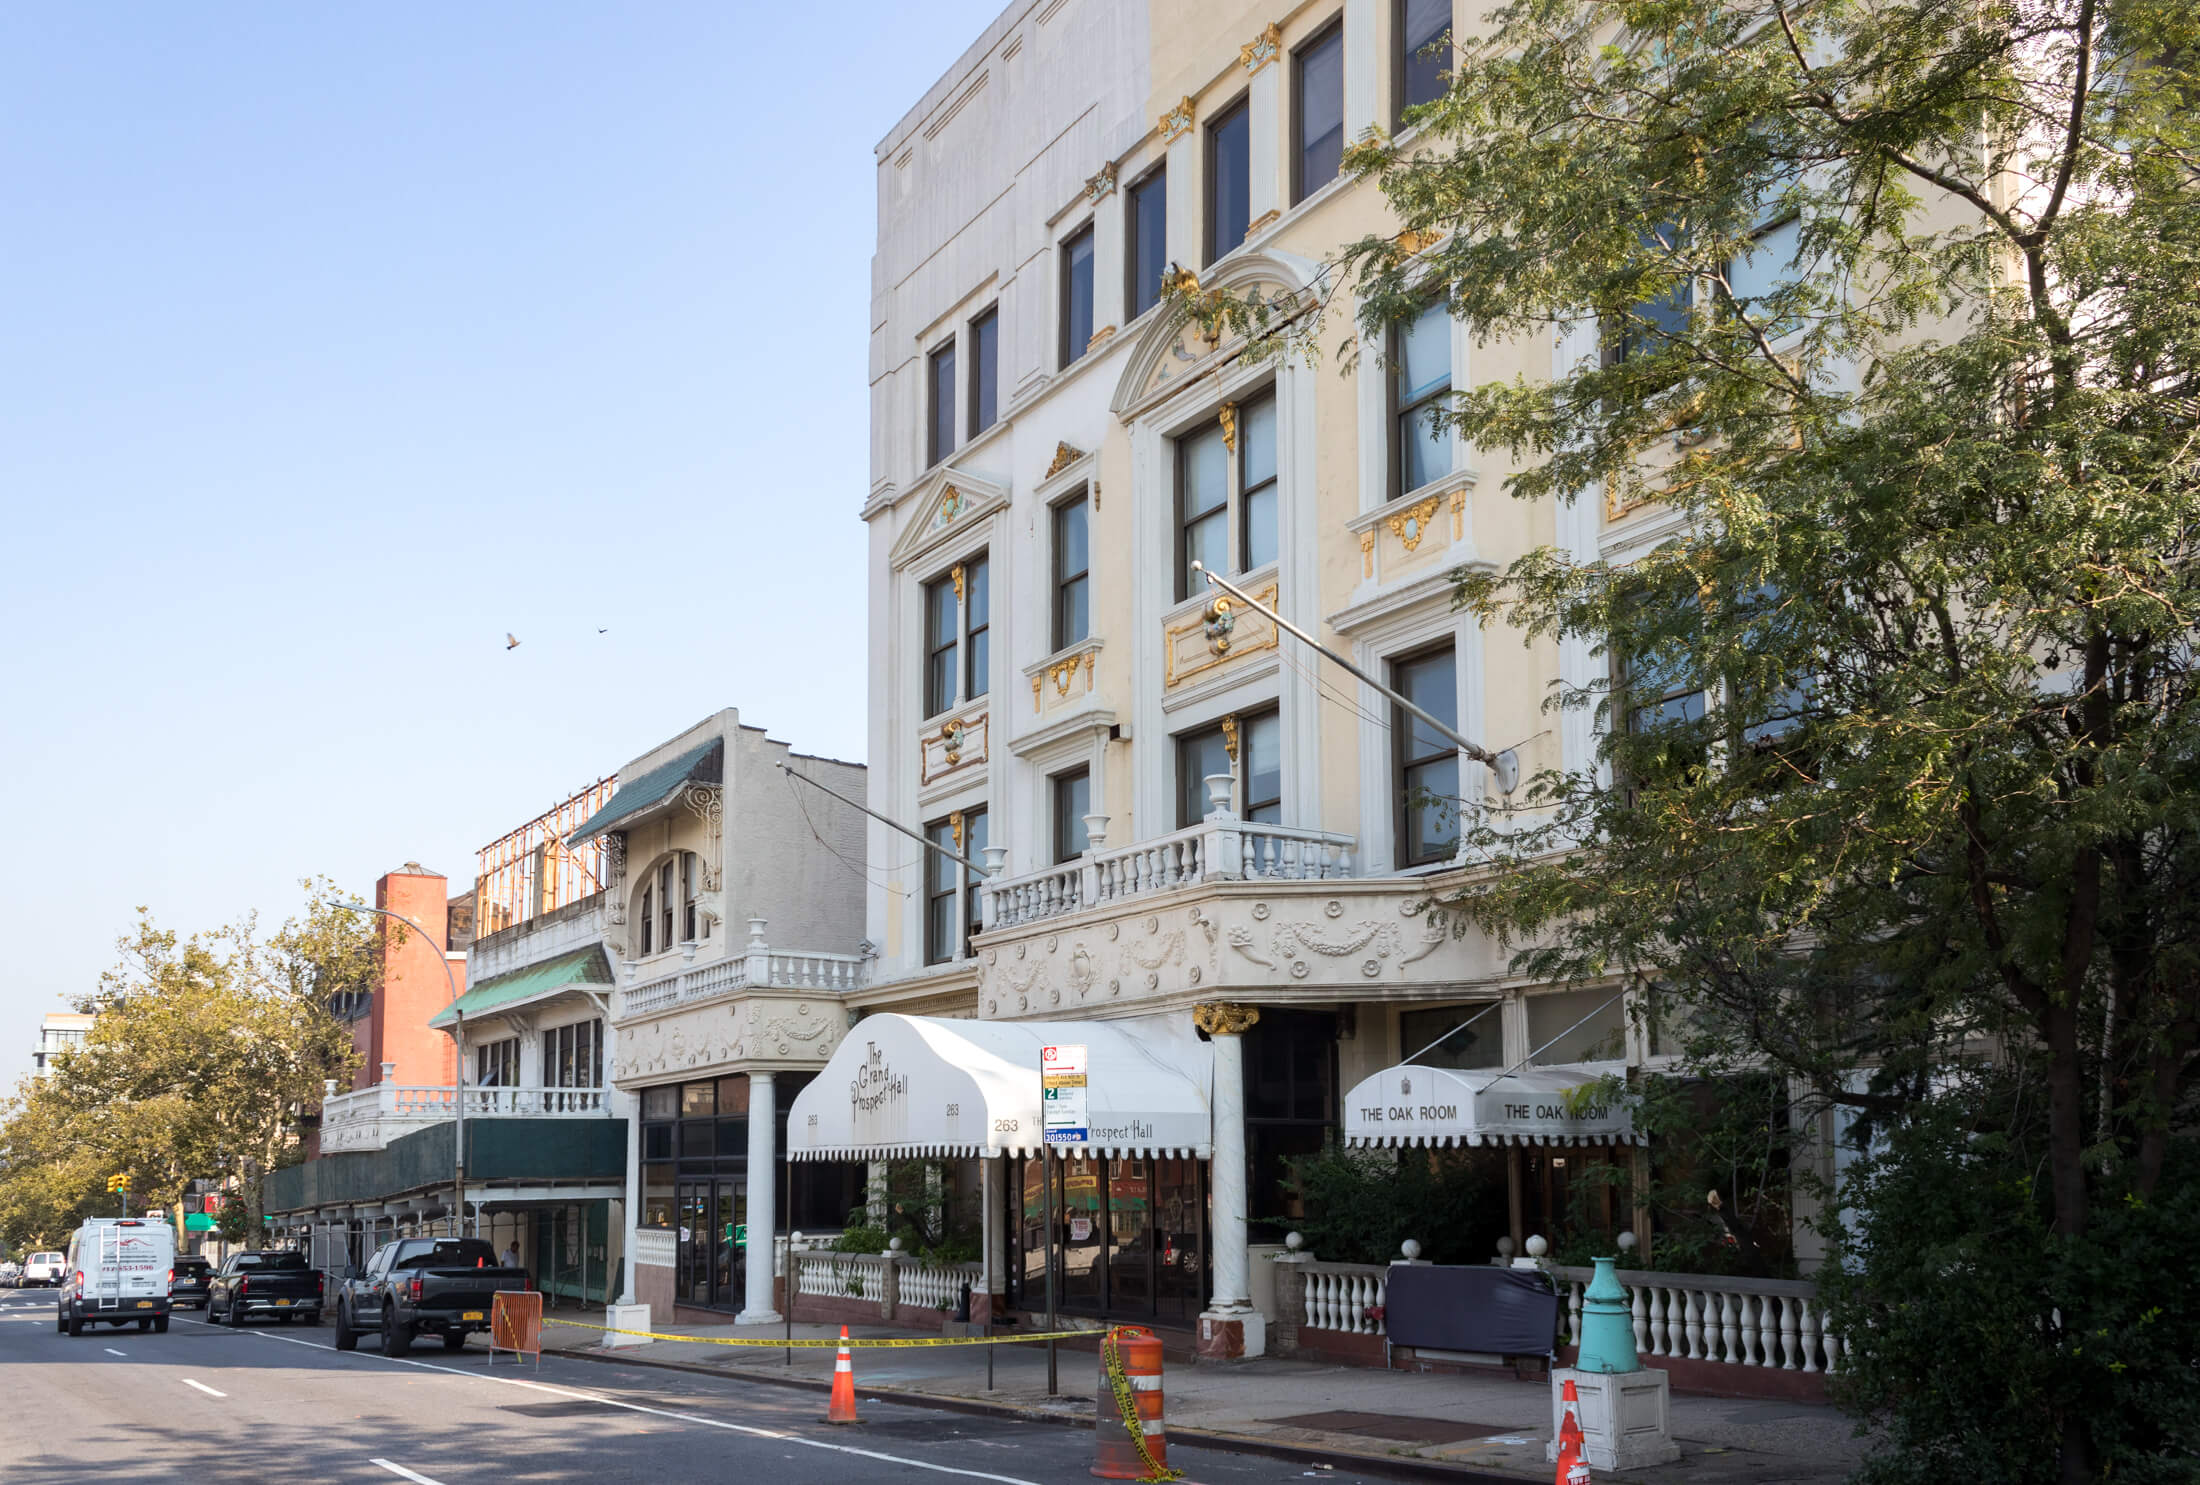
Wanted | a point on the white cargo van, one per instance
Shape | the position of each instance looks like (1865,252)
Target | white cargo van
(119,1270)
(42,1268)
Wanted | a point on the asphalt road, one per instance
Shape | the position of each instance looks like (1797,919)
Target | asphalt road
(279,1403)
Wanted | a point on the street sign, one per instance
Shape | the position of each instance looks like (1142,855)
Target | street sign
(737,1233)
(197,1222)
(1062,1096)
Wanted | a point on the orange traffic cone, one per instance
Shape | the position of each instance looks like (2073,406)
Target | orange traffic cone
(843,1407)
(1573,1467)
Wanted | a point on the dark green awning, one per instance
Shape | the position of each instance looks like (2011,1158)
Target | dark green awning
(500,992)
(703,765)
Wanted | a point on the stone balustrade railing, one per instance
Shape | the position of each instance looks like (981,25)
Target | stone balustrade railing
(1220,848)
(684,988)
(369,1118)
(889,1280)
(758,967)
(1339,1295)
(841,1275)
(1776,1323)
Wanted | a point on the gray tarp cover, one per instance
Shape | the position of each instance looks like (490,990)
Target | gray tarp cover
(1502,1311)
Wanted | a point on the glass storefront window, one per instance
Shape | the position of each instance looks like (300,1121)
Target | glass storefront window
(698,1100)
(660,1103)
(1602,1036)
(1439,1039)
(733,1095)
(1129,1234)
(657,1196)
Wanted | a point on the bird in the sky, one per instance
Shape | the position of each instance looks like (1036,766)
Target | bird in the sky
(511,640)
(603,631)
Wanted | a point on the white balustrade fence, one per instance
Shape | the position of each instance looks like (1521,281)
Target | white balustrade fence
(1281,853)
(934,1286)
(1776,1323)
(816,971)
(681,989)
(1339,1295)
(841,1275)
(1224,848)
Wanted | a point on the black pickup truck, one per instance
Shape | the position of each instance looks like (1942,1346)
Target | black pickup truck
(417,1286)
(278,1284)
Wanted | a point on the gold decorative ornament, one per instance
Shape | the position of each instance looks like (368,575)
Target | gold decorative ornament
(951,742)
(1098,186)
(955,828)
(1411,524)
(1367,554)
(956,574)
(1459,515)
(1062,675)
(1177,122)
(1064,456)
(1037,681)
(1196,643)
(1262,49)
(1219,1018)
(1219,622)
(1227,413)
(1412,241)
(1104,333)
(1263,222)
(1090,656)
(952,502)
(1230,736)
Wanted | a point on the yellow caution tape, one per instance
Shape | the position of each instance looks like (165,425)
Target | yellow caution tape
(835,1341)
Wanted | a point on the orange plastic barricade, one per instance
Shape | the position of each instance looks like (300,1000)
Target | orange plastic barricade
(515,1325)
(1128,1440)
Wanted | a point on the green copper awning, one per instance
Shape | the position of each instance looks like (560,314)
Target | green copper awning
(502,992)
(636,796)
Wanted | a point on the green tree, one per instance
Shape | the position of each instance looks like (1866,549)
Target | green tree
(1894,308)
(205,1051)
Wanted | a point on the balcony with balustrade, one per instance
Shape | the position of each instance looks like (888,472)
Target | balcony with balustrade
(371,1118)
(1226,904)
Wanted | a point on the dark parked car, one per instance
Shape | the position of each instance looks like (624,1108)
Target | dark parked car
(261,1284)
(194,1276)
(423,1286)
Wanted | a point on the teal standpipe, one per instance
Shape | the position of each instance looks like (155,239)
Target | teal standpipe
(1607,1323)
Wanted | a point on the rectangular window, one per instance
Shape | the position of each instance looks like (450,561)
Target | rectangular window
(666,905)
(1427,761)
(974,843)
(1203,506)
(496,1065)
(1766,267)
(941,874)
(1072,793)
(1421,392)
(1077,325)
(1147,258)
(1456,1036)
(689,890)
(1198,755)
(985,370)
(1072,573)
(1424,52)
(1256,484)
(649,919)
(977,628)
(940,377)
(1229,180)
(942,641)
(1317,91)
(1260,756)
(572,1056)
(1649,323)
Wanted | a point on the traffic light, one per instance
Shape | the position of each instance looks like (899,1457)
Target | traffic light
(117,1183)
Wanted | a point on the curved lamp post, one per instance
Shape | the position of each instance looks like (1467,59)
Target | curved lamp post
(458,1062)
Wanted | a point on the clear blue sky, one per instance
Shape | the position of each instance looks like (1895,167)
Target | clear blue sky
(337,341)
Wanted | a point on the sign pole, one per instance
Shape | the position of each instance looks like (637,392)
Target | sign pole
(1046,1187)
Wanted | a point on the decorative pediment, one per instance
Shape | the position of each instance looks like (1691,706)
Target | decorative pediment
(944,505)
(1175,348)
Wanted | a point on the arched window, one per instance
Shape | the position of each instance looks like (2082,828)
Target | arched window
(669,911)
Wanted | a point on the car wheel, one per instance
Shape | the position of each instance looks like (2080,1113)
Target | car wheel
(347,1339)
(76,1324)
(145,1325)
(454,1341)
(397,1339)
(160,1325)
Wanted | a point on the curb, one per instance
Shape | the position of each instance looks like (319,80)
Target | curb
(1399,1466)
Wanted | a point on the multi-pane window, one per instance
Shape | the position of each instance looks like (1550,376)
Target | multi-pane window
(1198,755)
(942,877)
(1256,491)
(689,890)
(1650,321)
(1210,482)
(1229,180)
(942,644)
(940,384)
(1427,762)
(648,916)
(1765,267)
(952,906)
(1077,310)
(667,905)
(1258,767)
(668,912)
(1260,770)
(1072,800)
(572,1056)
(1072,572)
(958,627)
(977,627)
(985,371)
(1146,206)
(1424,34)
(1317,91)
(497,1064)
(1421,389)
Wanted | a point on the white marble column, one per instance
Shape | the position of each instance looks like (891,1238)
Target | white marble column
(1229,1326)
(632,1218)
(763,1188)
(993,1175)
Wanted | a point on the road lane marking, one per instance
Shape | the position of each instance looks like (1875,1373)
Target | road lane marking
(210,1392)
(111,1351)
(400,1470)
(634,1407)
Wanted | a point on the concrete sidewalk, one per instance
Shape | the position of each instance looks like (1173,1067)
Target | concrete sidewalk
(1354,1414)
